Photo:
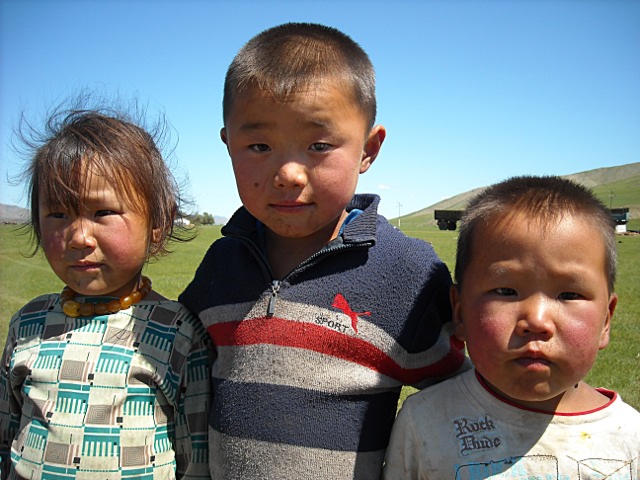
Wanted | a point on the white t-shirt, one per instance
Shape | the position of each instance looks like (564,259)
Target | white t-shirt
(459,430)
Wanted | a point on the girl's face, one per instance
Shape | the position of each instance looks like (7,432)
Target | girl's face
(101,250)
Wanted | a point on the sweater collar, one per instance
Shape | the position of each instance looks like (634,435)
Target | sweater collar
(360,229)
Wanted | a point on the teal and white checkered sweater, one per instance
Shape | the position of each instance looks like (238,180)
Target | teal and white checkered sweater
(105,397)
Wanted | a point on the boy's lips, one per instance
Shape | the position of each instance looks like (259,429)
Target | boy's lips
(289,206)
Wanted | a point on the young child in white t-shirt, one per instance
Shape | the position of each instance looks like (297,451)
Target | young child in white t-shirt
(535,272)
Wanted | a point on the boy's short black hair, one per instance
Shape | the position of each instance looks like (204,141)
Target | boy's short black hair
(546,199)
(287,58)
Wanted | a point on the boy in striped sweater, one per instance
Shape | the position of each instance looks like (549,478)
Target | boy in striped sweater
(319,310)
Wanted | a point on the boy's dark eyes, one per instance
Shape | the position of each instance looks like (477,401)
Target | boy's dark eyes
(259,147)
(505,291)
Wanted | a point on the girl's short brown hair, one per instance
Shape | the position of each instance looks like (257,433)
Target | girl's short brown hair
(111,144)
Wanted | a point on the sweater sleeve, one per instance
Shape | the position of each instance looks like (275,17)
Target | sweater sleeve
(10,406)
(192,449)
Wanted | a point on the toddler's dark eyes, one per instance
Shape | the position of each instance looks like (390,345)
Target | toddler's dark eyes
(569,296)
(319,147)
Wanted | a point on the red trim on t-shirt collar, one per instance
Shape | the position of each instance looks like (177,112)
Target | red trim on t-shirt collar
(607,393)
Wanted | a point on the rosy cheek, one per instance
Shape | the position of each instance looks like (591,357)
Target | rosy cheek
(52,243)
(119,251)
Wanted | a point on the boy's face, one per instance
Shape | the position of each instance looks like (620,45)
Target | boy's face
(297,162)
(534,308)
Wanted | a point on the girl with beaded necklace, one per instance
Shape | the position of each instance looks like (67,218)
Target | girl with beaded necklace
(108,379)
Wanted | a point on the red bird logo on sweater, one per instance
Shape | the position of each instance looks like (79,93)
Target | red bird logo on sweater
(341,303)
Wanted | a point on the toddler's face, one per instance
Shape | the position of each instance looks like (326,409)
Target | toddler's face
(297,162)
(534,308)
(101,250)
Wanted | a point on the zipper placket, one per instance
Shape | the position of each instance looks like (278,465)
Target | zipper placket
(276,284)
(271,307)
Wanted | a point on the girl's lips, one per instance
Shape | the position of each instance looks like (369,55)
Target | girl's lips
(85,266)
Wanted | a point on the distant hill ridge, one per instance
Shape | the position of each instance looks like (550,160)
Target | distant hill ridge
(13,214)
(614,186)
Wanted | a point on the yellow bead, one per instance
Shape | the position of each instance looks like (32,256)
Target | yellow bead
(126,302)
(100,308)
(75,309)
(71,308)
(113,306)
(86,309)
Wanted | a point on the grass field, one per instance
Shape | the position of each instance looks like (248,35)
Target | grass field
(23,278)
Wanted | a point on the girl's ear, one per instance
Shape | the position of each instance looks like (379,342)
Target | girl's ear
(156,235)
(458,324)
(372,147)
(154,244)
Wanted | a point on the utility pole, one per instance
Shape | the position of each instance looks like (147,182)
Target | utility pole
(611,197)
(399,207)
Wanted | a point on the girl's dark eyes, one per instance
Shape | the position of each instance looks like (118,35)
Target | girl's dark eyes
(104,213)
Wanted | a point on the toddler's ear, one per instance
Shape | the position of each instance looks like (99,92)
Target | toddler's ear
(458,324)
(606,328)
(223,135)
(372,147)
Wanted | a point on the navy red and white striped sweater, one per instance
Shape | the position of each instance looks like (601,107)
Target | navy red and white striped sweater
(309,368)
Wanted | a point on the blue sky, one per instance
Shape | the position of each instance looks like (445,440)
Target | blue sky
(471,92)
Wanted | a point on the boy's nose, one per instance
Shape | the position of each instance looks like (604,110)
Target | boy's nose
(81,234)
(536,316)
(291,174)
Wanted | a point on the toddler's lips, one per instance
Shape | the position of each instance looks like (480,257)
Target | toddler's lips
(533,361)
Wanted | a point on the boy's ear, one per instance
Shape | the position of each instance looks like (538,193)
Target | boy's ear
(372,147)
(223,135)
(606,328)
(458,325)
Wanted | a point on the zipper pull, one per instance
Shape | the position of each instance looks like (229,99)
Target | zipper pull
(271,308)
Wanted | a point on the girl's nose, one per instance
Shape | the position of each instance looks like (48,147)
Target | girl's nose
(81,234)
(291,174)
(536,316)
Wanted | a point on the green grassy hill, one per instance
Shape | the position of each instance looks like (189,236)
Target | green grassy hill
(614,186)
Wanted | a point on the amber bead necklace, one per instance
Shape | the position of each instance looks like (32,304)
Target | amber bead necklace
(87,309)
